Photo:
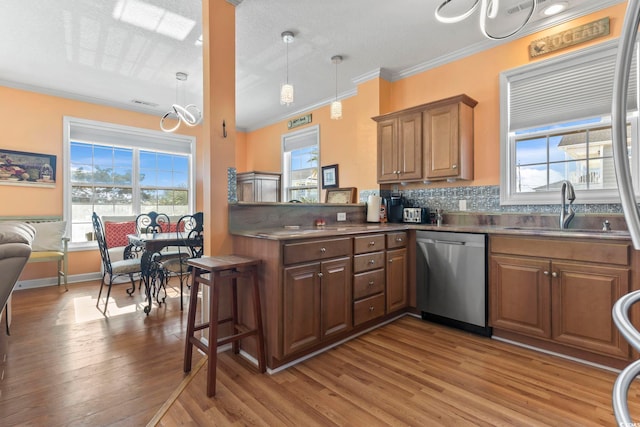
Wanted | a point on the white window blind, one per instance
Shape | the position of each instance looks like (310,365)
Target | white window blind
(569,87)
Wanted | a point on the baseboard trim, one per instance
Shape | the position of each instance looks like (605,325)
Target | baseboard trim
(53,281)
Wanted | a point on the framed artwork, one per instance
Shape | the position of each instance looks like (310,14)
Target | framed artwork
(28,169)
(330,176)
(341,195)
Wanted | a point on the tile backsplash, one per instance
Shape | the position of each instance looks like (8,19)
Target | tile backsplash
(482,199)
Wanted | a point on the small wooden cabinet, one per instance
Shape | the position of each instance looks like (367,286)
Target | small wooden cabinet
(396,275)
(400,148)
(560,291)
(258,187)
(317,294)
(448,139)
(432,141)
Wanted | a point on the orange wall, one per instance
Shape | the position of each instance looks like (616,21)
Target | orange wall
(476,75)
(33,122)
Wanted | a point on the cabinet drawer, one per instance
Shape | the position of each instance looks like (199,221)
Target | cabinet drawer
(369,283)
(370,243)
(396,240)
(366,262)
(316,250)
(367,309)
(600,251)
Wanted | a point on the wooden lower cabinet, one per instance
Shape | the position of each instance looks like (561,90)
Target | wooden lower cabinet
(317,302)
(564,302)
(318,291)
(396,294)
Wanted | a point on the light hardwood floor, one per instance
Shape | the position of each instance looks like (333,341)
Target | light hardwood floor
(68,365)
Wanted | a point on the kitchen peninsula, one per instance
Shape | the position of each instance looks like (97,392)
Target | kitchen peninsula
(322,285)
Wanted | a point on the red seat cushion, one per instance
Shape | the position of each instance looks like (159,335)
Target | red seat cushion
(116,233)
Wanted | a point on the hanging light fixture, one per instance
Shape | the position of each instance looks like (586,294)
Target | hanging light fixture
(493,25)
(190,115)
(286,91)
(336,106)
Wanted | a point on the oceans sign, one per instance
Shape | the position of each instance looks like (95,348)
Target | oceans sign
(299,121)
(571,37)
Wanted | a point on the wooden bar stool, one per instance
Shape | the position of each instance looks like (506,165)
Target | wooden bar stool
(222,269)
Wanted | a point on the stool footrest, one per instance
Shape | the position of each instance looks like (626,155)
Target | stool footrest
(244,333)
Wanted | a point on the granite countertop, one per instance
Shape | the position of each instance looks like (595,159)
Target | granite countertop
(334,230)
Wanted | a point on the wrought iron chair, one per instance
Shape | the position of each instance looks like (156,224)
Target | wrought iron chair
(153,222)
(129,266)
(190,231)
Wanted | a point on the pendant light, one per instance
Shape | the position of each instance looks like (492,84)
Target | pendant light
(336,106)
(286,91)
(190,115)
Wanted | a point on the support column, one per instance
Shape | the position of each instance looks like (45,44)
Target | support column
(217,153)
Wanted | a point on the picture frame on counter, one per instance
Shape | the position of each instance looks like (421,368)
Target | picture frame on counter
(27,169)
(330,176)
(345,195)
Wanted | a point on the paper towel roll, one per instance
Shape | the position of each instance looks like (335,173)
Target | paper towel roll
(373,208)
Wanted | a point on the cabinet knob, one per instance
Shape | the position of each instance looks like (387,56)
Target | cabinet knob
(454,166)
(554,274)
(372,261)
(399,239)
(546,273)
(323,250)
(372,243)
(320,274)
(390,261)
(371,308)
(371,283)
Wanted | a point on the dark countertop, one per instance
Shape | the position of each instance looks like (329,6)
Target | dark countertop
(334,230)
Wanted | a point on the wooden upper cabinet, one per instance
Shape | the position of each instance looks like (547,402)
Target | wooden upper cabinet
(448,140)
(429,142)
(400,148)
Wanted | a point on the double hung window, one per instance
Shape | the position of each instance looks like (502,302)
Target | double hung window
(300,160)
(122,171)
(556,126)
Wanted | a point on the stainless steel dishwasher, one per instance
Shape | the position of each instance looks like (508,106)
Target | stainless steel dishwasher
(452,279)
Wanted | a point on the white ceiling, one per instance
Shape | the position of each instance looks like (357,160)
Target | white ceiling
(115,52)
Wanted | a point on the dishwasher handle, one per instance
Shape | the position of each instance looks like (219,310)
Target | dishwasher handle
(449,242)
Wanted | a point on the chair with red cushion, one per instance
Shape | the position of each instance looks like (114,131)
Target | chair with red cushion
(125,267)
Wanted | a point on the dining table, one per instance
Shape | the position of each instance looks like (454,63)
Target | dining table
(151,246)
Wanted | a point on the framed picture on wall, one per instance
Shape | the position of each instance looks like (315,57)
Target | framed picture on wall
(30,169)
(330,176)
(341,195)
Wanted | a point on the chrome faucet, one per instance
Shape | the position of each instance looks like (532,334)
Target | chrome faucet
(566,213)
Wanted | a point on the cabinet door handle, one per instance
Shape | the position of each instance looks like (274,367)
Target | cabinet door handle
(372,261)
(546,273)
(454,166)
(371,308)
(323,250)
(554,274)
(320,274)
(399,239)
(372,243)
(390,261)
(371,283)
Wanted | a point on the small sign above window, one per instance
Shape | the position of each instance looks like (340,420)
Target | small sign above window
(299,121)
(571,37)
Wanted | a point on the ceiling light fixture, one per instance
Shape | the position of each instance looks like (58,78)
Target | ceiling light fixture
(495,23)
(336,106)
(555,8)
(286,90)
(190,115)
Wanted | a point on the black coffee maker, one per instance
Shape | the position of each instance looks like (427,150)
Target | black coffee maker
(395,207)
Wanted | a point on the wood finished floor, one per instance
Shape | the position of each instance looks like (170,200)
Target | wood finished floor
(68,365)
